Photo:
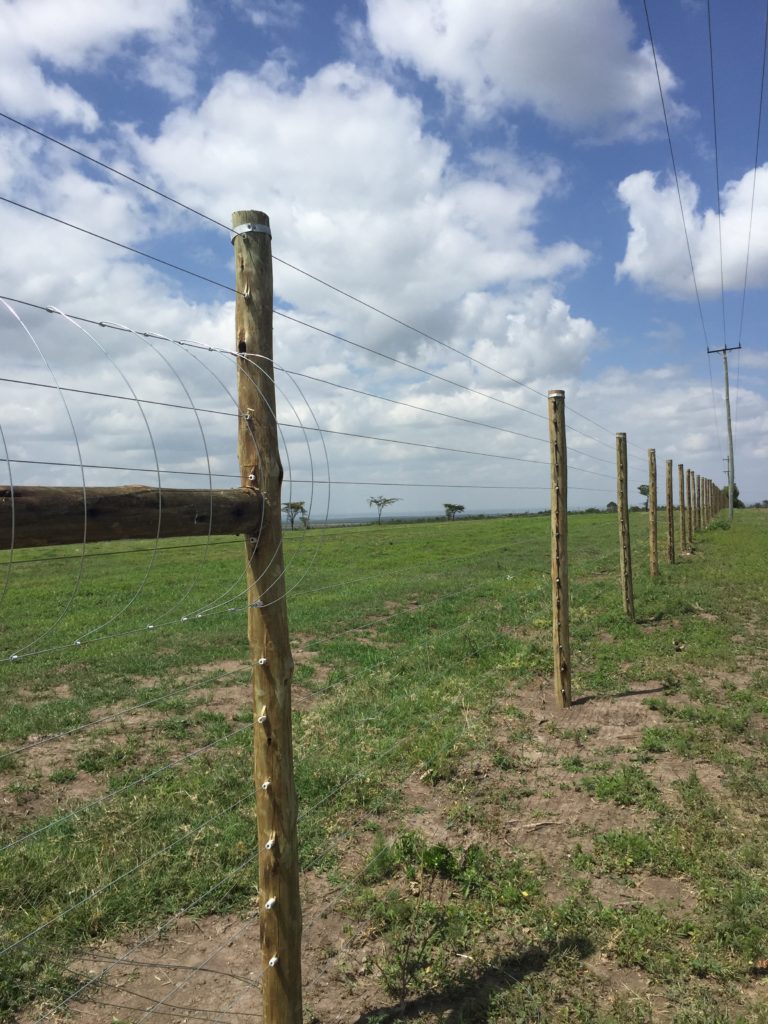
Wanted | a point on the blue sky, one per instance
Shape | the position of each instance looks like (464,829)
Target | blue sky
(495,173)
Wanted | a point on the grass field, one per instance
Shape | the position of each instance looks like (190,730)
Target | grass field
(470,852)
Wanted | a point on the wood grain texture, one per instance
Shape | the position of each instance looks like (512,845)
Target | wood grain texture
(279,902)
(625,550)
(653,528)
(39,516)
(561,640)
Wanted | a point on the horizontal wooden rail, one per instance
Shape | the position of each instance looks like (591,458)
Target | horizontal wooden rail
(33,517)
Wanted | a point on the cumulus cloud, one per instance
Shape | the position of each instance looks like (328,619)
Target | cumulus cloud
(382,194)
(577,65)
(657,257)
(36,33)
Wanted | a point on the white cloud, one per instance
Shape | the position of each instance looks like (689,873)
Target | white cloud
(348,174)
(656,256)
(757,360)
(79,38)
(272,13)
(574,64)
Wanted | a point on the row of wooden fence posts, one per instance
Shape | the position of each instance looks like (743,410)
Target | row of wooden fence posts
(280,922)
(699,501)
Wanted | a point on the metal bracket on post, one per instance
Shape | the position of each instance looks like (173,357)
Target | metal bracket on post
(250,229)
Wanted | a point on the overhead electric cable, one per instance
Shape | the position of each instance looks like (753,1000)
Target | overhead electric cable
(751,219)
(717,165)
(674,168)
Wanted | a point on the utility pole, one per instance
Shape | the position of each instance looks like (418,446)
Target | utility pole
(724,352)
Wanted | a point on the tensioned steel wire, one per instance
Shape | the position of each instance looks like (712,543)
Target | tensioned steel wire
(336,891)
(327,638)
(317,428)
(9,564)
(186,837)
(91,634)
(312,807)
(441,713)
(151,562)
(303,323)
(292,266)
(71,422)
(386,356)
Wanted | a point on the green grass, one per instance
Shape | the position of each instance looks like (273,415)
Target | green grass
(418,641)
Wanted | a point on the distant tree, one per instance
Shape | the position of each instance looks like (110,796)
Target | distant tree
(381,503)
(293,509)
(737,502)
(643,488)
(612,506)
(451,511)
(304,517)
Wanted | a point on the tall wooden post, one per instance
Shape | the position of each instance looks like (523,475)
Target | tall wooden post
(279,904)
(653,539)
(683,525)
(625,551)
(561,639)
(670,515)
(698,501)
(689,493)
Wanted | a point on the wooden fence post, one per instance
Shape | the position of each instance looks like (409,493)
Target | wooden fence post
(625,551)
(681,489)
(689,493)
(670,515)
(653,540)
(698,502)
(561,640)
(279,903)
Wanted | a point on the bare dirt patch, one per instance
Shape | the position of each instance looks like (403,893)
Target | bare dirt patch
(671,895)
(210,968)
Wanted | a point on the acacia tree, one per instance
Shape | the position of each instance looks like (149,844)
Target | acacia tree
(644,488)
(451,511)
(293,509)
(381,503)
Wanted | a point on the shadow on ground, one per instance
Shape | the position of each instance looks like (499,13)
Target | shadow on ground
(469,1000)
(617,696)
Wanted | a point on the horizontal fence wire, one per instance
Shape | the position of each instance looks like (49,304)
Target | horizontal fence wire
(305,273)
(441,716)
(230,598)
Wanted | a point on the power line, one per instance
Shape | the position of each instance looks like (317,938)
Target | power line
(717,165)
(674,168)
(751,219)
